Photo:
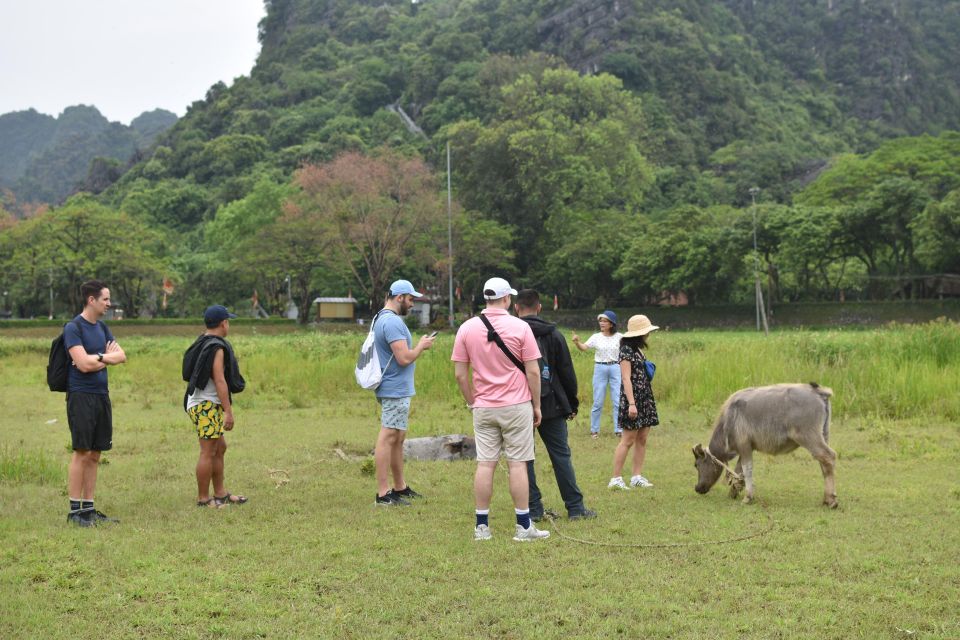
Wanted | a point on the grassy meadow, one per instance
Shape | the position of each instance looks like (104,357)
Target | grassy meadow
(310,556)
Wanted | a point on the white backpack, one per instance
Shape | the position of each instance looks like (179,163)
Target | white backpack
(368,372)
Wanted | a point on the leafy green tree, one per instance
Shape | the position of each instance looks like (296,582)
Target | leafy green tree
(176,204)
(699,252)
(562,143)
(937,235)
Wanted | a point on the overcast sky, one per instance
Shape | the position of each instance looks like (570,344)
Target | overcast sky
(122,56)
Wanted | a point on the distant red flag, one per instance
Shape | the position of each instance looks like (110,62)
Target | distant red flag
(556,302)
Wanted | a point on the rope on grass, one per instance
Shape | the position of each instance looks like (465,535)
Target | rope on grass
(280,476)
(668,545)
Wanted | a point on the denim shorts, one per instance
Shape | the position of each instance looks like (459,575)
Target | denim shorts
(394,412)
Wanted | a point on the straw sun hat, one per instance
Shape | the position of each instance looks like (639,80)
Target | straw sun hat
(639,326)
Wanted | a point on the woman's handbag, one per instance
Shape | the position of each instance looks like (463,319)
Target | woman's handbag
(651,369)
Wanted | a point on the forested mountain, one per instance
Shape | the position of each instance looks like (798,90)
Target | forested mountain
(44,159)
(600,149)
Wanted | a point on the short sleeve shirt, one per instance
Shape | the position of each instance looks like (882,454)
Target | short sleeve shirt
(397,381)
(607,348)
(93,337)
(497,381)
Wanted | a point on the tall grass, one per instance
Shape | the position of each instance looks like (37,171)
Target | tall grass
(29,467)
(899,371)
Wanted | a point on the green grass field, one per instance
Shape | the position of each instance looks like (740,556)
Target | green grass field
(310,556)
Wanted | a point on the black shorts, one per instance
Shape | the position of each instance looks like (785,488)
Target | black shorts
(91,421)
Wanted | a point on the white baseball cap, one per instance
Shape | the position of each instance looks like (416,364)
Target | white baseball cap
(496,288)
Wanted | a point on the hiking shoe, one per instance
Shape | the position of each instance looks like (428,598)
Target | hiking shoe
(99,517)
(80,518)
(482,532)
(583,514)
(617,483)
(407,493)
(640,481)
(526,535)
(594,435)
(391,499)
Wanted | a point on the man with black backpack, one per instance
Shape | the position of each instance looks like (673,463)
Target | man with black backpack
(91,347)
(558,403)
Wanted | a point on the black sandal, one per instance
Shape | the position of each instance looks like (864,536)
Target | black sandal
(230,499)
(210,503)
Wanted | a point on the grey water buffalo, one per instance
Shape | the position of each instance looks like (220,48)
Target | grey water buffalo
(775,419)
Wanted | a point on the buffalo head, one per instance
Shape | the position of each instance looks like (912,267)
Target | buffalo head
(708,469)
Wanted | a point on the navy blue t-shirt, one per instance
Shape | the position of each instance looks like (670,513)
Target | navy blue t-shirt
(94,339)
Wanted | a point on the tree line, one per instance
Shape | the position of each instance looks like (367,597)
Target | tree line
(550,196)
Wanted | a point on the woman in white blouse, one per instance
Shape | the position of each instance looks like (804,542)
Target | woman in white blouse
(606,369)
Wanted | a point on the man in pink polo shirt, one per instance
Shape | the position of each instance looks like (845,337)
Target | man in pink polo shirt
(504,395)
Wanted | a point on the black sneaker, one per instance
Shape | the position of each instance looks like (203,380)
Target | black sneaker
(99,517)
(583,514)
(407,493)
(80,518)
(391,499)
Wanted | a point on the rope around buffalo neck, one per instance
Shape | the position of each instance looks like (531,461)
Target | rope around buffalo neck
(730,472)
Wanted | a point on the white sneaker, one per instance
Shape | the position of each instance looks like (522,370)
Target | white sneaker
(640,481)
(617,483)
(482,532)
(526,535)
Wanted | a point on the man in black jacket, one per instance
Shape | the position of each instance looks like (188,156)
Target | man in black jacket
(558,403)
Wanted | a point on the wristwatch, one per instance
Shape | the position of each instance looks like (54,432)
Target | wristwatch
(99,357)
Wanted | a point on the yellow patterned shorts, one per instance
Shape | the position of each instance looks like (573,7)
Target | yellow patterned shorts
(208,418)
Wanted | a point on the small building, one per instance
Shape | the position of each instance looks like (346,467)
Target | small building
(336,308)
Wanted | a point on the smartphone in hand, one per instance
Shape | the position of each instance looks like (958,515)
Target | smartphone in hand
(433,335)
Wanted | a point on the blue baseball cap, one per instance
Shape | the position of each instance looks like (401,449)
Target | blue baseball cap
(609,315)
(403,288)
(215,314)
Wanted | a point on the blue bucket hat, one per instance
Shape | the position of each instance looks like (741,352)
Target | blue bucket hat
(609,315)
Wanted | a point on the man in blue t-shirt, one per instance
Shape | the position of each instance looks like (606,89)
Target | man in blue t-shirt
(92,348)
(393,342)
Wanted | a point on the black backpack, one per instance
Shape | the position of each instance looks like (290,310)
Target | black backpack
(58,363)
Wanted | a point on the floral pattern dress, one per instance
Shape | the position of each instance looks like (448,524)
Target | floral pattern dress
(642,393)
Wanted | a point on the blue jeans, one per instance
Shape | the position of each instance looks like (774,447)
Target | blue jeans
(604,375)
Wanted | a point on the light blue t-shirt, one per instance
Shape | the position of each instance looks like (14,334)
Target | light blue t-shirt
(397,381)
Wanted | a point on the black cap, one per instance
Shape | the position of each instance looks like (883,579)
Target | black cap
(215,314)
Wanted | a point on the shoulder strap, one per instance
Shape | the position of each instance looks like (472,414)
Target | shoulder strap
(372,325)
(493,336)
(543,345)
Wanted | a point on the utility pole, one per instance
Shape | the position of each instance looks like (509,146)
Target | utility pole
(758,293)
(50,272)
(450,238)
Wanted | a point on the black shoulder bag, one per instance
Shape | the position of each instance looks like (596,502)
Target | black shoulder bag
(493,336)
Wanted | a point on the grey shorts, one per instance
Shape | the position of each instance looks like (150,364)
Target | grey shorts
(394,412)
